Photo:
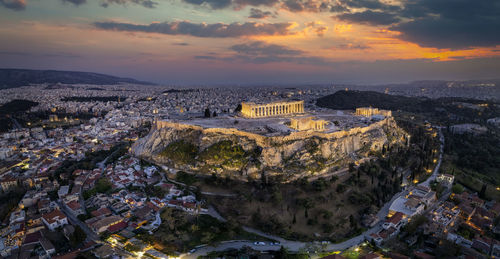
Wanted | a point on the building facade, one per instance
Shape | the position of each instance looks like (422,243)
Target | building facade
(253,110)
(369,111)
(307,123)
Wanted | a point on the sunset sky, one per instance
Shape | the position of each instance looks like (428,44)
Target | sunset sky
(255,41)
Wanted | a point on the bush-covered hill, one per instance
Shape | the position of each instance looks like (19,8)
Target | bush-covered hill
(443,109)
(10,78)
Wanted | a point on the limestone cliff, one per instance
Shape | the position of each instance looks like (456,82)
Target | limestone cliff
(242,154)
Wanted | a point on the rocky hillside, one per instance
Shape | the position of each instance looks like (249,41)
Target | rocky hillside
(245,155)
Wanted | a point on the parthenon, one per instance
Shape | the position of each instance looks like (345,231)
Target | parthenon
(253,110)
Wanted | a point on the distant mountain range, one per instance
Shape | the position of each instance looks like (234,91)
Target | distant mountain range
(10,78)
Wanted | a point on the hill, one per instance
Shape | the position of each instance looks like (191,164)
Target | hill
(10,78)
(350,100)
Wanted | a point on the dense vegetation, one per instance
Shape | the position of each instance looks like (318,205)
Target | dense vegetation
(475,161)
(9,111)
(16,106)
(329,208)
(90,161)
(441,110)
(103,185)
(9,201)
(225,153)
(182,232)
(180,152)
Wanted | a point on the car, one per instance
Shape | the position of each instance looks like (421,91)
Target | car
(275,243)
(192,251)
(259,243)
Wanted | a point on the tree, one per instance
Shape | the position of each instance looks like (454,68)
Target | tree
(351,167)
(483,191)
(207,113)
(238,108)
(78,236)
(214,114)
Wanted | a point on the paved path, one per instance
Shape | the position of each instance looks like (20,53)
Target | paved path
(91,235)
(431,178)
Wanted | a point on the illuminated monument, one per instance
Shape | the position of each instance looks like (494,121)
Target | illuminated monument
(369,111)
(307,123)
(253,110)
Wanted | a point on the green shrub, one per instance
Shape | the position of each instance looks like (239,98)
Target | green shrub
(180,152)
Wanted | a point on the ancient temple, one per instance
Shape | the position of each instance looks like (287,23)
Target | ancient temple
(254,110)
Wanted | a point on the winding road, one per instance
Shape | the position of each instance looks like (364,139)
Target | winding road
(296,245)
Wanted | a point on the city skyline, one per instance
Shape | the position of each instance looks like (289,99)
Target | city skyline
(255,41)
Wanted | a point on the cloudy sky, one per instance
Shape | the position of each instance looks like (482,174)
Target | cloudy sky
(256,41)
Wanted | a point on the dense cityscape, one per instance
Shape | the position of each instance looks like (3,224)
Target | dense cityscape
(71,186)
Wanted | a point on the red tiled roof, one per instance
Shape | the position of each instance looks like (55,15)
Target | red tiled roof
(396,218)
(50,217)
(118,226)
(423,255)
(32,238)
(74,205)
(101,211)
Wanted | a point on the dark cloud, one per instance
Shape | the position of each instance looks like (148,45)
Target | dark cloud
(215,30)
(205,57)
(75,2)
(318,28)
(369,17)
(369,4)
(145,3)
(221,4)
(214,4)
(181,44)
(40,55)
(455,24)
(259,52)
(14,4)
(255,2)
(259,14)
(305,5)
(338,8)
(259,48)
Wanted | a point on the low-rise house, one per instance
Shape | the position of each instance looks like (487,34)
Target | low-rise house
(482,245)
(17,216)
(30,198)
(117,227)
(445,179)
(423,194)
(409,207)
(75,208)
(102,225)
(47,246)
(383,234)
(54,219)
(63,191)
(102,212)
(8,183)
(395,221)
